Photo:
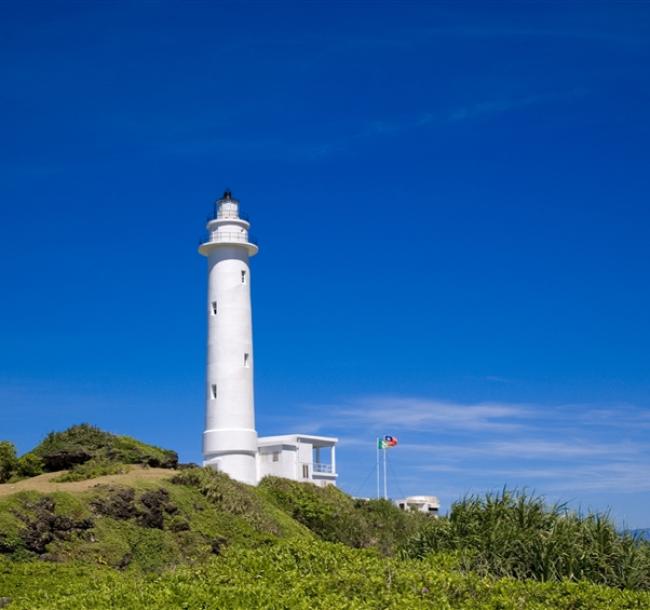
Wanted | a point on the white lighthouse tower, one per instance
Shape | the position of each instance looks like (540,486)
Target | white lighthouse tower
(229,439)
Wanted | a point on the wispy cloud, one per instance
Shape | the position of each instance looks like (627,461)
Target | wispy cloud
(614,477)
(506,104)
(565,451)
(531,448)
(316,145)
(411,413)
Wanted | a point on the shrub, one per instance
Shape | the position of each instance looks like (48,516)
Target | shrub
(336,517)
(518,535)
(29,465)
(82,443)
(8,460)
(251,516)
(91,470)
(326,511)
(295,574)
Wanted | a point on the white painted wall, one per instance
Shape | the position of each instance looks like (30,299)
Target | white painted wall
(229,439)
(285,466)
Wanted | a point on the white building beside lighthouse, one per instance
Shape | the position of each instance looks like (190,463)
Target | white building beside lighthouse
(230,442)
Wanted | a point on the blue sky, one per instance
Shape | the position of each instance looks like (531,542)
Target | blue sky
(452,205)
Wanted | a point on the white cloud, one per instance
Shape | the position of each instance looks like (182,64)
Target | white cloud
(380,413)
(530,449)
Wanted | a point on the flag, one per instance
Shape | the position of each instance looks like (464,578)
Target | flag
(386,442)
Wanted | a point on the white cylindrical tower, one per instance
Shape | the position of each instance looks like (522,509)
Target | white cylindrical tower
(230,439)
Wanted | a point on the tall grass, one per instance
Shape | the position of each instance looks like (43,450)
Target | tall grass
(517,534)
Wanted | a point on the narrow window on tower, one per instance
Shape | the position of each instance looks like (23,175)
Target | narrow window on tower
(214,308)
(213,390)
(305,471)
(243,277)
(247,360)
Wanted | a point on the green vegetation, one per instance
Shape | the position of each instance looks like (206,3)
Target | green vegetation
(8,460)
(296,574)
(336,517)
(148,527)
(82,443)
(517,535)
(91,470)
(202,540)
(86,451)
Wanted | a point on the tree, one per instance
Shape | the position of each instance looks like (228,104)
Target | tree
(29,465)
(8,460)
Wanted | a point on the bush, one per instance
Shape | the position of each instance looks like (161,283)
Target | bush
(91,470)
(81,443)
(517,535)
(230,497)
(334,516)
(294,574)
(29,465)
(8,460)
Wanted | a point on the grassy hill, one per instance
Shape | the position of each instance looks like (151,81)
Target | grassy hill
(192,538)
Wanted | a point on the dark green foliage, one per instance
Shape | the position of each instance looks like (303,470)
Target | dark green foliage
(148,510)
(43,525)
(336,517)
(235,499)
(388,525)
(30,522)
(146,526)
(517,535)
(326,511)
(82,443)
(115,502)
(8,460)
(155,504)
(28,465)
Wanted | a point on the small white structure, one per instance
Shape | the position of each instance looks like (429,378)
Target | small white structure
(300,457)
(230,442)
(424,504)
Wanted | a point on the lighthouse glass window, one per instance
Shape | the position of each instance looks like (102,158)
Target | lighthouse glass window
(243,277)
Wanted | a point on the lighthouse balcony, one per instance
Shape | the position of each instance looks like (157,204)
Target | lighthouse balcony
(230,236)
(226,238)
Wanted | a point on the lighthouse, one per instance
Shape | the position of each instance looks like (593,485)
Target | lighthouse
(229,441)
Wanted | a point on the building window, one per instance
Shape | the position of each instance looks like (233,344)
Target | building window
(305,471)
(247,360)
(214,308)
(213,390)
(243,277)
(276,456)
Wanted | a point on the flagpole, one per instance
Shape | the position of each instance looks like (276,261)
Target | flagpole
(377,450)
(385,484)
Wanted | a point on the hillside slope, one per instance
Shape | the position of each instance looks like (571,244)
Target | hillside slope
(193,538)
(46,483)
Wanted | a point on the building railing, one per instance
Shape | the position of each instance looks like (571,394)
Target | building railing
(322,468)
(226,237)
